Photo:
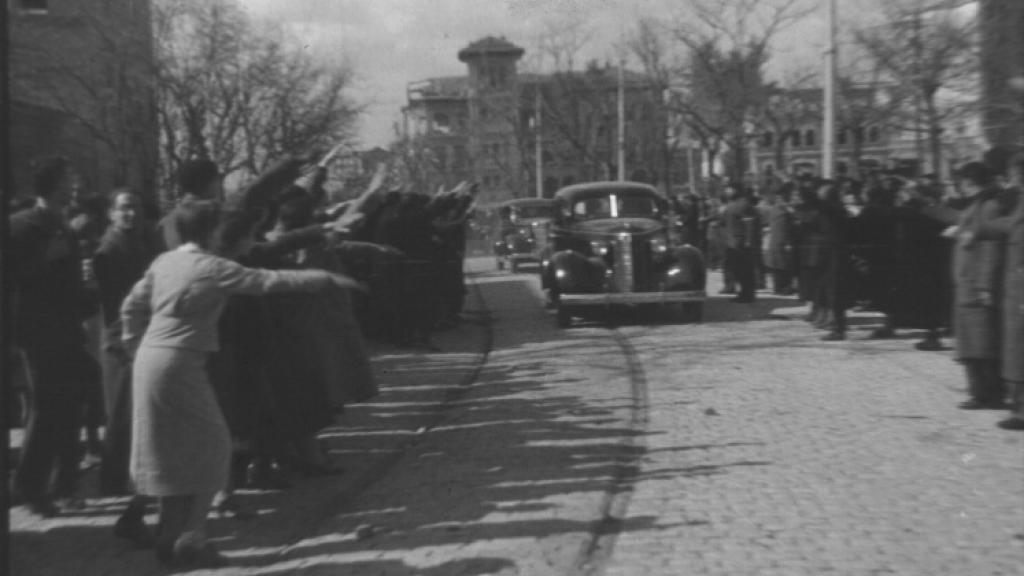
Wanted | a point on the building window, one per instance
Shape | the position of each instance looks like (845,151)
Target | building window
(484,113)
(768,140)
(809,137)
(794,138)
(874,134)
(34,6)
(843,135)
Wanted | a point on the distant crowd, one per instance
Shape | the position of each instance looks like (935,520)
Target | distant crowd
(947,262)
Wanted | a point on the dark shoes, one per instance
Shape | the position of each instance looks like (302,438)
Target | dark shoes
(265,474)
(1012,423)
(929,345)
(882,333)
(975,404)
(42,506)
(133,528)
(834,336)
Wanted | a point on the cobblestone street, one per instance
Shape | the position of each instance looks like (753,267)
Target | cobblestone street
(740,446)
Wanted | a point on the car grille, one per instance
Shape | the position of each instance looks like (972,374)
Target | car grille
(623,277)
(642,264)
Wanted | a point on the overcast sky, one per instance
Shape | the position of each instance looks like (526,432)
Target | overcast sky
(394,42)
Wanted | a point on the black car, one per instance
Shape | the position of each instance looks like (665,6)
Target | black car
(523,232)
(614,243)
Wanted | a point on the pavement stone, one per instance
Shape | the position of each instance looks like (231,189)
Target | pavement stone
(849,457)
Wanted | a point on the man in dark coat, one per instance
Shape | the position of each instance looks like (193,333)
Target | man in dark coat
(779,258)
(743,240)
(125,252)
(1011,229)
(873,241)
(977,274)
(50,304)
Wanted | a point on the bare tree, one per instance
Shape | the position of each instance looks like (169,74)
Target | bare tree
(240,92)
(104,85)
(927,48)
(729,44)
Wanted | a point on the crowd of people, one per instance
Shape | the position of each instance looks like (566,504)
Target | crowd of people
(942,262)
(213,344)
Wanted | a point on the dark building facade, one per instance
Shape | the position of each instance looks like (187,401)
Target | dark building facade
(81,79)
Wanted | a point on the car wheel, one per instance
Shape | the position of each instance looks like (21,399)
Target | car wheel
(693,312)
(563,317)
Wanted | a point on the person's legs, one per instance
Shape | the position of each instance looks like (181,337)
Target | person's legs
(744,269)
(191,547)
(171,523)
(984,385)
(1016,419)
(131,525)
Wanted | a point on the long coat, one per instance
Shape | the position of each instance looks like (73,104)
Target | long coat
(1011,228)
(779,255)
(920,269)
(978,261)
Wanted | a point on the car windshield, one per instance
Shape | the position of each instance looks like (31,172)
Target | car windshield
(526,212)
(616,205)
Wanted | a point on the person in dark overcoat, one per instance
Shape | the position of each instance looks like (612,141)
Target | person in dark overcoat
(809,234)
(779,257)
(743,242)
(1011,228)
(873,239)
(125,251)
(978,262)
(50,303)
(920,273)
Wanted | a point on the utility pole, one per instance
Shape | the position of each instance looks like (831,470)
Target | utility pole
(622,122)
(538,142)
(828,132)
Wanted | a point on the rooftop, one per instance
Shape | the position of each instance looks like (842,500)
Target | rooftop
(490,46)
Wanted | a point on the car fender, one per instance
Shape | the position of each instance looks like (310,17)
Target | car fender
(686,272)
(573,272)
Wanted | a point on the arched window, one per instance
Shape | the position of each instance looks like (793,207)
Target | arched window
(809,137)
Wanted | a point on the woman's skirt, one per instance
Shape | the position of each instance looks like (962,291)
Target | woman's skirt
(180,441)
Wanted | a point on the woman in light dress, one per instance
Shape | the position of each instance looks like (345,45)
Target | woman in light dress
(181,447)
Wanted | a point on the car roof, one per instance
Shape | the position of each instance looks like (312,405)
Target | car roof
(594,188)
(527,202)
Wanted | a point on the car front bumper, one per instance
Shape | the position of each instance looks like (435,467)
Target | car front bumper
(605,298)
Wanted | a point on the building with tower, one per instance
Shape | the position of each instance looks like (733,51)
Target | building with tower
(483,126)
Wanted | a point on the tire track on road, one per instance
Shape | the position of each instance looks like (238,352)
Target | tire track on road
(593,557)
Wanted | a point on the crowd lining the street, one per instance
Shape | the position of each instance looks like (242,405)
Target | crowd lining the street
(946,263)
(213,344)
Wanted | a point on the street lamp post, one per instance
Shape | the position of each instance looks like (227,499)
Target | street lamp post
(828,132)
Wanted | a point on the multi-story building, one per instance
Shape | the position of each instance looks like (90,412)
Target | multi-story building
(81,85)
(484,126)
(868,136)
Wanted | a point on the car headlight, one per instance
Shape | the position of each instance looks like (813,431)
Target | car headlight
(659,245)
(599,247)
